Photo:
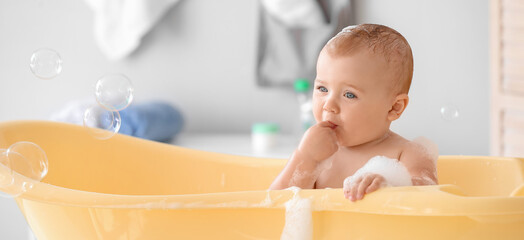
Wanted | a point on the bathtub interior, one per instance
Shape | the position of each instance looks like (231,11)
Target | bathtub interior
(130,166)
(483,176)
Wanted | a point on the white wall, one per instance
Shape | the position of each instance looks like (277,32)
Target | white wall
(201,57)
(449,40)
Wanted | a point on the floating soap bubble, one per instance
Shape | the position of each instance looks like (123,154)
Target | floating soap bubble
(114,92)
(6,172)
(14,183)
(35,165)
(449,112)
(101,123)
(7,177)
(21,165)
(45,63)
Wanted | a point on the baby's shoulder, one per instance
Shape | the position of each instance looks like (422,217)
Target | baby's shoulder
(419,150)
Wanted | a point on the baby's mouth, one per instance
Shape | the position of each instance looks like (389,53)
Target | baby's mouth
(333,126)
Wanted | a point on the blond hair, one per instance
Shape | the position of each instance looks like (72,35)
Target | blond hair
(378,39)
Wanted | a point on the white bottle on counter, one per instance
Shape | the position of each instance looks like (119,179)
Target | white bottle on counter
(264,137)
(302,89)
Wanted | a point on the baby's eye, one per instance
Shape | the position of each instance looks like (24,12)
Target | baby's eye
(349,95)
(322,89)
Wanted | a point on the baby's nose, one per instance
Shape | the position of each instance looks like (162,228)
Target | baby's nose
(328,109)
(330,106)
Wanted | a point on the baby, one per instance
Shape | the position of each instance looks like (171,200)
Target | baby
(363,78)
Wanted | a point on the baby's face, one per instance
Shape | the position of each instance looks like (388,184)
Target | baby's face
(353,92)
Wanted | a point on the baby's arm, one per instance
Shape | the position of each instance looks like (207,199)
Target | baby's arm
(421,164)
(305,165)
(419,168)
(298,172)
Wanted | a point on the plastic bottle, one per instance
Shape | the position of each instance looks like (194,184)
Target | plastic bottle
(302,89)
(264,137)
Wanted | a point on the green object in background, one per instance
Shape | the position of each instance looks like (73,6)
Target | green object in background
(301,85)
(265,128)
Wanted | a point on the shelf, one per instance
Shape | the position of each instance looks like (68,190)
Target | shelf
(236,144)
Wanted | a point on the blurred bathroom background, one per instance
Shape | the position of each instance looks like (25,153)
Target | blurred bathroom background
(201,57)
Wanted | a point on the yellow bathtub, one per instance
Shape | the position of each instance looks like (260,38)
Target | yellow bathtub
(128,188)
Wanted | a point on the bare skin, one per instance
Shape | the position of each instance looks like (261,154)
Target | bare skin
(354,104)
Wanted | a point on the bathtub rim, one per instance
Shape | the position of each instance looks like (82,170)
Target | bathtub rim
(436,200)
(439,200)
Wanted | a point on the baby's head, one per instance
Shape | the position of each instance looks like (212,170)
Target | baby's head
(363,78)
(381,41)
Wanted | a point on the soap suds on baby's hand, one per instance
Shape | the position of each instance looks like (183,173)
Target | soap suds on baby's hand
(394,172)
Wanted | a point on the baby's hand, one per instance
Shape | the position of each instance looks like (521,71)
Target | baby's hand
(319,142)
(367,183)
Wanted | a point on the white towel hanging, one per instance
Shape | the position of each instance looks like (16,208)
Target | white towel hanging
(120,24)
(295,13)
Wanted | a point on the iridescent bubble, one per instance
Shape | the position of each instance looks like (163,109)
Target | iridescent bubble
(20,166)
(35,165)
(114,92)
(101,123)
(449,112)
(45,63)
(7,177)
(6,172)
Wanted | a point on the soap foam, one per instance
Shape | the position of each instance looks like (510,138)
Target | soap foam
(345,30)
(394,172)
(268,202)
(299,175)
(223,180)
(299,221)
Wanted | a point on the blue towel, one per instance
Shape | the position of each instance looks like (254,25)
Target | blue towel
(157,121)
